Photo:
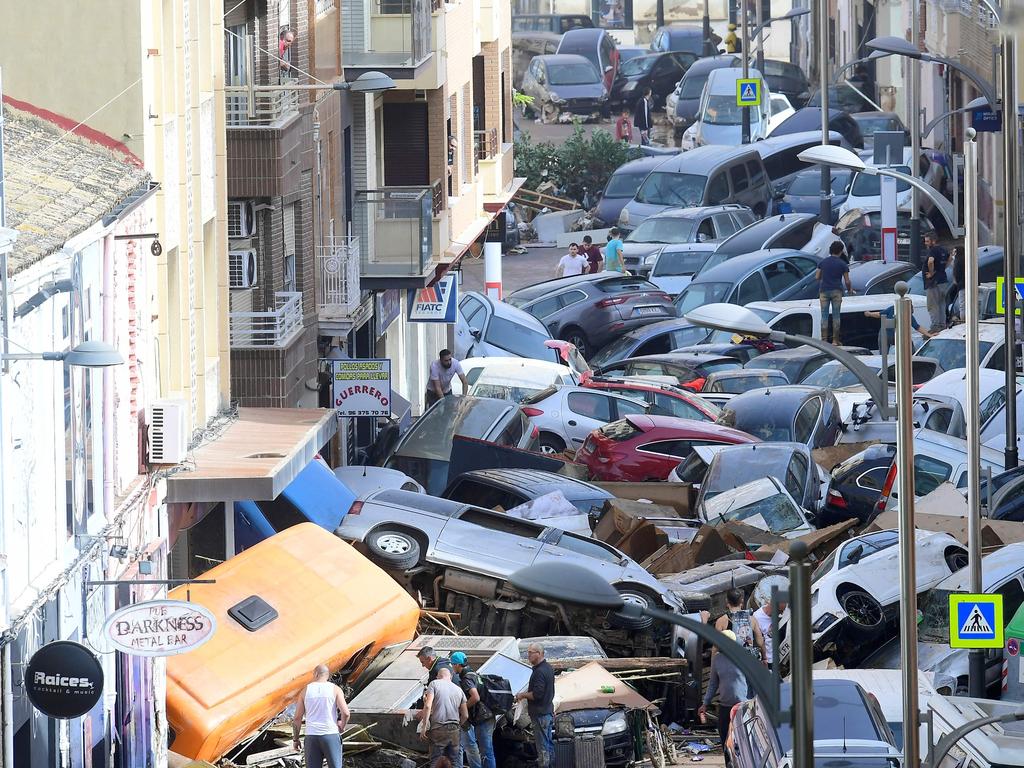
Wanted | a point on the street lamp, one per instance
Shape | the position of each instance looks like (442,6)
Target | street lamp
(732,318)
(789,15)
(971,105)
(873,56)
(88,354)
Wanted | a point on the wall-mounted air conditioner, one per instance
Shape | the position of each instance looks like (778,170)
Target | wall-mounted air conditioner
(168,431)
(242,268)
(241,218)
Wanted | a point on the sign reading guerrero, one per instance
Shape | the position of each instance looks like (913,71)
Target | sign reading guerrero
(362,387)
(63,680)
(159,627)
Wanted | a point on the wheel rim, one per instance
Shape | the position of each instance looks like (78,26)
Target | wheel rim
(548,449)
(958,561)
(394,544)
(579,342)
(863,610)
(634,599)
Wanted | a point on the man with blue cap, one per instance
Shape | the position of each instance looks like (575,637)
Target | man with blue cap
(478,738)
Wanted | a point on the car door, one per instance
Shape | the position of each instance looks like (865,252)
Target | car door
(488,542)
(751,288)
(472,315)
(805,286)
(583,413)
(562,546)
(665,74)
(725,225)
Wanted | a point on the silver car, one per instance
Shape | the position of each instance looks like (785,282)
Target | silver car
(401,530)
(566,415)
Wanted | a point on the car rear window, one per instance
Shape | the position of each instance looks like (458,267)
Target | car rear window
(619,430)
(625,285)
(517,339)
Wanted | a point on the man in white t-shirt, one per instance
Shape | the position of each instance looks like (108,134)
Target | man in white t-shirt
(442,371)
(763,617)
(573,263)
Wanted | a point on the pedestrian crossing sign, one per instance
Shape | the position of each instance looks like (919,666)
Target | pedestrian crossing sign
(975,621)
(748,92)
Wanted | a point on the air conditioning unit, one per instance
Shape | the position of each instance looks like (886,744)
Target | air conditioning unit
(242,269)
(168,431)
(419,95)
(241,218)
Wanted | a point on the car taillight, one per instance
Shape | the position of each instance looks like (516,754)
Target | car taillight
(356,508)
(836,499)
(611,302)
(694,385)
(531,411)
(535,433)
(890,480)
(662,295)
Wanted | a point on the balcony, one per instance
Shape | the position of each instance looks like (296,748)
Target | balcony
(338,291)
(270,109)
(323,7)
(401,39)
(268,330)
(399,248)
(264,142)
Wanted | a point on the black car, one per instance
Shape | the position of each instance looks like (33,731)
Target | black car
(856,485)
(653,339)
(622,186)
(809,119)
(679,37)
(843,97)
(872,122)
(564,82)
(508,488)
(681,110)
(688,369)
(744,350)
(788,79)
(659,71)
(791,231)
(791,413)
(860,230)
(874,277)
(798,362)
(803,193)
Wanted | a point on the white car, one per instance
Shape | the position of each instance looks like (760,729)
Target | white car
(673,267)
(855,591)
(779,109)
(720,118)
(865,190)
(565,416)
(946,396)
(364,480)
(764,503)
(511,378)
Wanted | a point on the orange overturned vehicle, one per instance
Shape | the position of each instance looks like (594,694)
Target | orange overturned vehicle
(300,598)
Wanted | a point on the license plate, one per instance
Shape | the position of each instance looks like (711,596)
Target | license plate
(649,311)
(902,241)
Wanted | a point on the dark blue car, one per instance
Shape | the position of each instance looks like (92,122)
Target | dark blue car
(804,193)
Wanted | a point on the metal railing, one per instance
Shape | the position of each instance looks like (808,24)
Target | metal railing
(269,107)
(401,220)
(486,143)
(437,197)
(262,330)
(338,271)
(323,7)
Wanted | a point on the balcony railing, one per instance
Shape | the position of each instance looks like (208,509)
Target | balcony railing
(323,7)
(268,330)
(401,219)
(338,270)
(486,143)
(270,108)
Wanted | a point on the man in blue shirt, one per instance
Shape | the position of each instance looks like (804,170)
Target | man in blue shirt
(890,314)
(613,252)
(832,272)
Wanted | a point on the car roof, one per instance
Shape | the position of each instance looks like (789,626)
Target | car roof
(995,567)
(788,393)
(565,58)
(988,330)
(584,35)
(737,267)
(875,114)
(753,236)
(710,63)
(792,353)
(641,164)
(538,480)
(653,329)
(694,211)
(876,267)
(856,303)
(785,141)
(706,158)
(647,423)
(681,358)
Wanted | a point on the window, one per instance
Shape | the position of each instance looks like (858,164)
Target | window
(647,369)
(572,297)
(725,225)
(590,405)
(751,289)
(797,324)
(587,548)
(780,276)
(517,339)
(929,474)
(281,513)
(796,475)
(470,308)
(873,479)
(718,190)
(939,419)
(755,170)
(885,285)
(803,265)
(738,174)
(484,495)
(991,406)
(500,522)
(673,406)
(545,307)
(784,163)
(659,345)
(514,430)
(796,237)
(629,408)
(676,448)
(706,231)
(806,418)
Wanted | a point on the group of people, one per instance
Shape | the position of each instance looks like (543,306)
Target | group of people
(587,258)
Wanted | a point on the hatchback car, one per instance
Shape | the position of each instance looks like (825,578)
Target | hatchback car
(720,387)
(658,71)
(424,451)
(803,193)
(590,310)
(788,79)
(856,485)
(487,328)
(622,185)
(679,37)
(643,448)
(762,503)
(598,47)
(683,225)
(873,277)
(681,105)
(658,338)
(807,415)
(508,488)
(664,399)
(772,275)
(866,190)
(672,267)
(689,370)
(565,416)
(564,83)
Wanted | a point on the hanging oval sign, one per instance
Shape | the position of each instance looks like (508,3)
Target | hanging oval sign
(63,680)
(159,628)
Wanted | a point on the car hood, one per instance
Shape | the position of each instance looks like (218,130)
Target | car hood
(584,91)
(609,208)
(641,250)
(720,134)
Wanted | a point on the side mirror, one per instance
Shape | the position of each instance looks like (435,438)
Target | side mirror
(475,333)
(856,553)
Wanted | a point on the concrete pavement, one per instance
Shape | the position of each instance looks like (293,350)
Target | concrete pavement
(517,271)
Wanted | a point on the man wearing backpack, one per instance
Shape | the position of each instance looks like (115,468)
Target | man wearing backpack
(480,753)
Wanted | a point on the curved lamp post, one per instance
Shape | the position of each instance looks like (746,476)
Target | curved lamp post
(977,103)
(88,354)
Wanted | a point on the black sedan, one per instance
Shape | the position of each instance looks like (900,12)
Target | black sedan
(564,82)
(875,277)
(659,71)
(744,350)
(856,485)
(788,79)
(653,339)
(809,119)
(793,413)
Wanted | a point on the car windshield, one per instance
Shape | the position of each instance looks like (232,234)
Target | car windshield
(934,609)
(790,366)
(670,229)
(735,385)
(624,184)
(512,384)
(723,110)
(714,260)
(576,73)
(767,424)
(733,468)
(431,436)
(950,353)
(638,66)
(699,294)
(775,512)
(841,714)
(692,86)
(672,189)
(869,125)
(519,340)
(675,263)
(833,375)
(808,183)
(870,186)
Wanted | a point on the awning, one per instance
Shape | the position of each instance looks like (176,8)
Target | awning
(256,457)
(495,203)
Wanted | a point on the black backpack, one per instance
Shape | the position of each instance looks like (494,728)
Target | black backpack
(496,693)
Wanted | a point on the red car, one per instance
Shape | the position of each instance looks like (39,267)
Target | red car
(641,448)
(665,399)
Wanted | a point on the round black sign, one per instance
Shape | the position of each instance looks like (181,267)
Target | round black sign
(63,680)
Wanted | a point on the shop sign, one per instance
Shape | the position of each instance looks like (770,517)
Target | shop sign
(436,304)
(159,628)
(361,387)
(63,680)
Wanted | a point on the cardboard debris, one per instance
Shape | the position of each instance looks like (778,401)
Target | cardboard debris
(621,516)
(680,496)
(741,537)
(582,690)
(819,543)
(706,547)
(944,500)
(994,533)
(828,457)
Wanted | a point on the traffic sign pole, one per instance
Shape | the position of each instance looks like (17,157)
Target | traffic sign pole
(745,55)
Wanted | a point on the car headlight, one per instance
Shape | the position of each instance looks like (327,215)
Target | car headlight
(824,622)
(556,99)
(624,217)
(648,261)
(616,723)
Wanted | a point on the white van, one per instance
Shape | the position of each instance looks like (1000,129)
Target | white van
(991,746)
(719,119)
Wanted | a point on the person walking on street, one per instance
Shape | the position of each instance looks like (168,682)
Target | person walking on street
(763,619)
(540,696)
(729,683)
(573,263)
(832,272)
(593,254)
(445,712)
(624,127)
(643,118)
(323,705)
(442,371)
(738,620)
(960,280)
(481,718)
(613,252)
(935,281)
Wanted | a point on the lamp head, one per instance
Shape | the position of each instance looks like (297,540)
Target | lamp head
(93,354)
(895,45)
(836,157)
(369,82)
(793,13)
(730,318)
(566,583)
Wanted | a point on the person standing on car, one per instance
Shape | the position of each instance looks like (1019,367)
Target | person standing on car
(763,618)
(480,717)
(613,252)
(323,706)
(935,281)
(642,117)
(540,697)
(444,712)
(442,371)
(593,254)
(573,263)
(738,620)
(832,272)
(729,683)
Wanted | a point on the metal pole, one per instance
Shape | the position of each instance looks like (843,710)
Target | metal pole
(1011,211)
(709,48)
(976,658)
(802,720)
(659,13)
(908,570)
(760,36)
(914,121)
(825,210)
(745,46)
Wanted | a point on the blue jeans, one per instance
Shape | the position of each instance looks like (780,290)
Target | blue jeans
(469,748)
(542,737)
(320,748)
(485,743)
(830,300)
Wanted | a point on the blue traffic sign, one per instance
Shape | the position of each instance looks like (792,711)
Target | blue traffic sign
(984,119)
(976,621)
(748,92)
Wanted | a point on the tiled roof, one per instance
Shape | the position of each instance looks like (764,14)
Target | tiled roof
(57,186)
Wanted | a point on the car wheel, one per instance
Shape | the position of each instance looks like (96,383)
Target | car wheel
(864,611)
(635,596)
(393,548)
(551,444)
(956,559)
(578,339)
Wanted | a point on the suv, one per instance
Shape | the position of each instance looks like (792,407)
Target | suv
(508,488)
(683,225)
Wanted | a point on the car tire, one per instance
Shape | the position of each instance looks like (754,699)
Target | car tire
(551,444)
(956,558)
(393,548)
(631,594)
(864,612)
(577,338)
(695,601)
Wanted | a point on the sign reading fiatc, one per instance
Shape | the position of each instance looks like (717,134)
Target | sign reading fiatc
(159,628)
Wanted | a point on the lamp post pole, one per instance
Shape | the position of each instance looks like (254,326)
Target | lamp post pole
(1011,237)
(760,36)
(709,48)
(914,121)
(745,47)
(825,207)
(800,669)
